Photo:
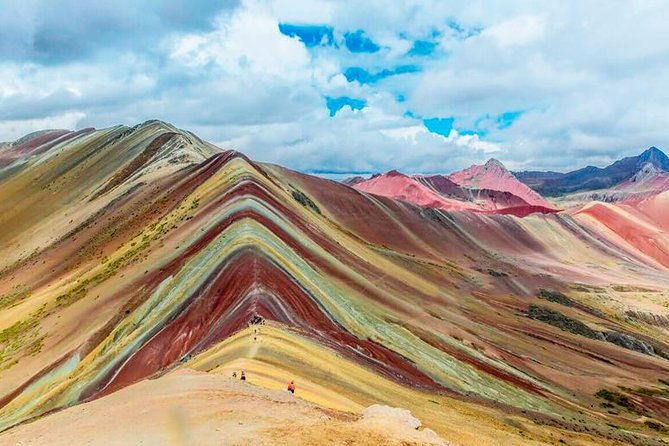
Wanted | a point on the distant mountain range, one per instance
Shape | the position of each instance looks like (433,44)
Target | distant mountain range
(492,188)
(489,188)
(552,184)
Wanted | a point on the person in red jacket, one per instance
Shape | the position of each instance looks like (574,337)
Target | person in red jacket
(291,387)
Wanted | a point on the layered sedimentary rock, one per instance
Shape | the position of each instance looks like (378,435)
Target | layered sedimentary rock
(399,186)
(493,175)
(128,252)
(441,192)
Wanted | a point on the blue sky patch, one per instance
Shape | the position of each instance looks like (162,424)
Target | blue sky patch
(440,126)
(506,120)
(310,35)
(422,48)
(479,132)
(336,104)
(365,77)
(463,32)
(358,42)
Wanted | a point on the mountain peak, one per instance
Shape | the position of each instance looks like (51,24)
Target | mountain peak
(653,149)
(495,176)
(394,173)
(654,156)
(34,135)
(492,162)
(156,123)
(496,168)
(595,178)
(352,181)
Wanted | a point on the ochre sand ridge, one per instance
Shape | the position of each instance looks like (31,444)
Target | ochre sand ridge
(187,407)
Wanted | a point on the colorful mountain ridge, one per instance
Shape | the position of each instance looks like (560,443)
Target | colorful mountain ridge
(492,188)
(134,254)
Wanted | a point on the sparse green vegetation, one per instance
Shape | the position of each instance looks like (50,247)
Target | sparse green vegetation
(10,333)
(36,346)
(13,298)
(583,288)
(16,337)
(629,342)
(562,322)
(631,289)
(494,273)
(555,296)
(619,400)
(656,426)
(305,201)
(23,337)
(646,391)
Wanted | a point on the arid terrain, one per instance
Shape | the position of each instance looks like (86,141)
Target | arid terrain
(141,266)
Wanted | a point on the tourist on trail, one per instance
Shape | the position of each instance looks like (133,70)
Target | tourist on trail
(243,377)
(234,375)
(291,387)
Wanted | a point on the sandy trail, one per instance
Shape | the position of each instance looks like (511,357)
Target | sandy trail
(186,407)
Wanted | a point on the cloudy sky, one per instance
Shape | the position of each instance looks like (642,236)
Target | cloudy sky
(350,86)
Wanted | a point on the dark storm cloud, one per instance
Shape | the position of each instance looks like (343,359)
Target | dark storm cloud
(46,31)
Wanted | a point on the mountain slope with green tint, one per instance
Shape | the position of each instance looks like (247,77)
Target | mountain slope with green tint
(128,252)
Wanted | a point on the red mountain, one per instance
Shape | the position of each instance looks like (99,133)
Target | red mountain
(441,192)
(489,199)
(493,175)
(399,186)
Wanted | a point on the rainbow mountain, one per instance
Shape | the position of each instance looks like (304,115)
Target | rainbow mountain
(132,253)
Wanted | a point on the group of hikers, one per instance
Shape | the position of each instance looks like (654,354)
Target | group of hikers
(242,376)
(257,320)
